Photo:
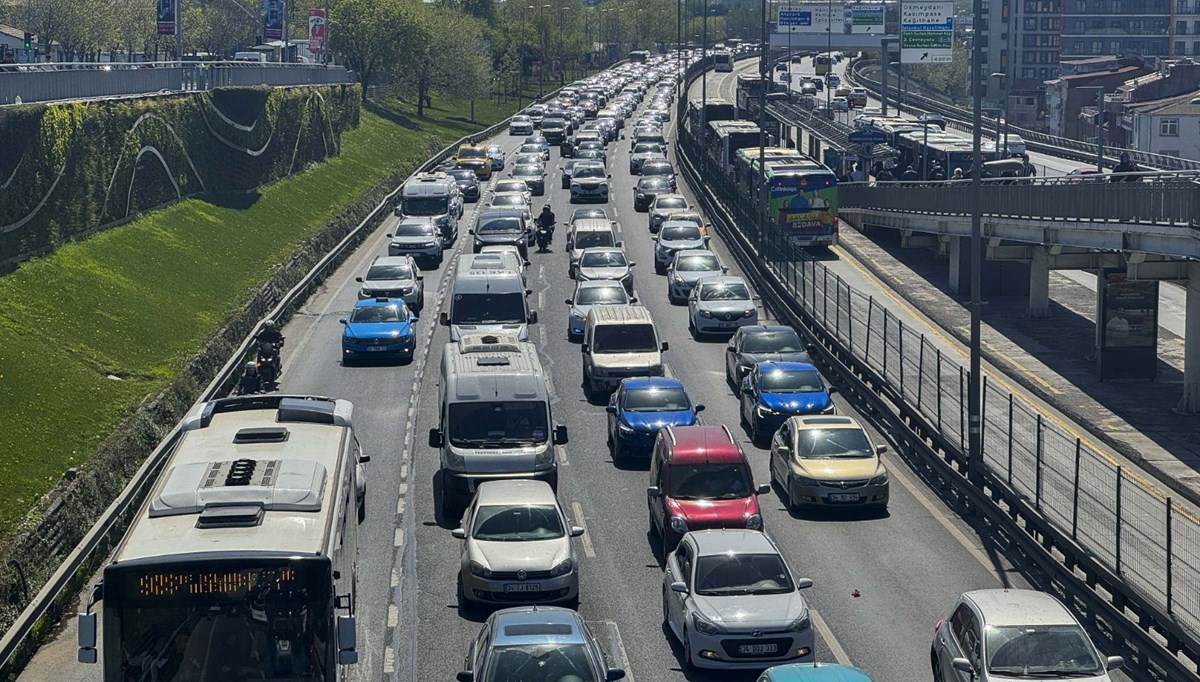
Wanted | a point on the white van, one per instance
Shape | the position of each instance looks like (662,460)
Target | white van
(256,57)
(619,341)
(488,301)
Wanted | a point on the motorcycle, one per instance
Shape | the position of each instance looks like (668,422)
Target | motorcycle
(269,364)
(544,235)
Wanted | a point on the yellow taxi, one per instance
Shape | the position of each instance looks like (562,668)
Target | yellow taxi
(842,91)
(827,460)
(474,157)
(692,216)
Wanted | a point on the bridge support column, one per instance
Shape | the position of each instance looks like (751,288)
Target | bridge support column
(1190,402)
(1000,278)
(1039,284)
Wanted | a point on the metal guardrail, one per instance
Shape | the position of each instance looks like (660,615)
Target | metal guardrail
(1164,199)
(1111,540)
(29,83)
(1035,140)
(115,518)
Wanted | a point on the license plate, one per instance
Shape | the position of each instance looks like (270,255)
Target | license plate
(758,649)
(727,325)
(522,587)
(372,349)
(843,497)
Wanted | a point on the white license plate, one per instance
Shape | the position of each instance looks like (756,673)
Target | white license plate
(522,587)
(843,497)
(373,349)
(758,649)
(727,325)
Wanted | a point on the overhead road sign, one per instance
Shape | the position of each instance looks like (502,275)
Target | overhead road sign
(864,18)
(809,18)
(927,32)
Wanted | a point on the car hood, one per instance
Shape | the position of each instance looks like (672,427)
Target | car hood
(840,468)
(626,359)
(786,356)
(500,237)
(724,306)
(388,284)
(795,402)
(651,422)
(762,610)
(536,555)
(603,273)
(711,512)
(377,330)
(680,244)
(693,275)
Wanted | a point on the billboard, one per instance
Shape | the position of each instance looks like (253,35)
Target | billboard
(166,17)
(864,18)
(809,18)
(927,32)
(316,30)
(273,10)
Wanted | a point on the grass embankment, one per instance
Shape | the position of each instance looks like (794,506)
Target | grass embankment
(91,330)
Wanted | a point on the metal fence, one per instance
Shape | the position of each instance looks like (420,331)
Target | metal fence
(26,83)
(1115,515)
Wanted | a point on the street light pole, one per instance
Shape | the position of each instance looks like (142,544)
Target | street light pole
(543,46)
(764,72)
(974,384)
(704,78)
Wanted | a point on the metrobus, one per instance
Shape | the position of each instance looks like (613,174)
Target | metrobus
(803,203)
(725,138)
(639,56)
(822,63)
(241,564)
(745,162)
(751,87)
(712,109)
(723,61)
(947,150)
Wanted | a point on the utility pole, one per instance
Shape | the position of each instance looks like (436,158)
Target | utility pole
(764,72)
(704,78)
(679,47)
(1100,130)
(974,383)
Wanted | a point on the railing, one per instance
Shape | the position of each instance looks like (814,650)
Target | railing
(26,83)
(1116,545)
(1161,199)
(54,598)
(1038,141)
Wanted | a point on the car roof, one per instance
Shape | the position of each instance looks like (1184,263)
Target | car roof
(378,302)
(670,195)
(703,444)
(598,284)
(536,625)
(807,422)
(416,220)
(765,329)
(1002,607)
(641,383)
(721,279)
(515,492)
(591,224)
(686,253)
(600,249)
(786,366)
(816,672)
(392,260)
(736,540)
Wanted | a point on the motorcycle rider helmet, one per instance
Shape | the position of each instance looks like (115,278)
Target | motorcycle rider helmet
(269,325)
(251,368)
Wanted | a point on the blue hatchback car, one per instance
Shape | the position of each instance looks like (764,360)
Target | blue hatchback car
(643,405)
(379,328)
(773,391)
(814,672)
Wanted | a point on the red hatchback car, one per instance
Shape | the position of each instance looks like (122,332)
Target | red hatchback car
(699,479)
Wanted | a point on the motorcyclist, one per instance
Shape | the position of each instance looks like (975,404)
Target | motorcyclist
(270,334)
(545,223)
(270,337)
(250,382)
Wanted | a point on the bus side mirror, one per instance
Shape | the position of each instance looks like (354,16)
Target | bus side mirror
(87,638)
(436,438)
(444,319)
(347,639)
(560,435)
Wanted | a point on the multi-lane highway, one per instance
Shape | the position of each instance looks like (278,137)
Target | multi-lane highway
(881,584)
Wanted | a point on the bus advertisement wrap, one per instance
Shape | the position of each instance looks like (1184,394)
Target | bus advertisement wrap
(805,207)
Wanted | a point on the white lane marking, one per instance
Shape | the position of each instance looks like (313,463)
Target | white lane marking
(398,538)
(835,647)
(561,454)
(588,549)
(621,650)
(541,300)
(936,512)
(393,617)
(389,660)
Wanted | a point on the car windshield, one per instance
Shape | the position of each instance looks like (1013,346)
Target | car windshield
(581,172)
(465,175)
(389,271)
(508,200)
(614,295)
(500,225)
(528,171)
(414,230)
(497,424)
(520,119)
(1040,651)
(530,149)
(504,523)
(584,240)
(645,147)
(488,308)
(794,381)
(625,338)
(538,662)
(734,291)
(653,183)
(603,259)
(656,169)
(723,575)
(510,186)
(676,233)
(472,153)
(708,481)
(581,213)
(495,150)
(772,342)
(698,264)
(583,154)
(656,400)
(670,202)
(834,444)
(380,313)
(425,205)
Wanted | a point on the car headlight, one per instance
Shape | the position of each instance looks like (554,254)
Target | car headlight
(599,372)
(748,313)
(563,568)
(544,457)
(704,625)
(754,521)
(656,371)
(805,481)
(764,411)
(881,479)
(801,624)
(678,279)
(678,524)
(706,314)
(479,570)
(625,430)
(830,409)
(452,460)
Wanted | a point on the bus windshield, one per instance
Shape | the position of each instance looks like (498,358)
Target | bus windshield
(221,620)
(425,205)
(488,308)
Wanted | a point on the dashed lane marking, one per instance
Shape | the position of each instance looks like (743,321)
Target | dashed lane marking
(560,453)
(621,650)
(588,550)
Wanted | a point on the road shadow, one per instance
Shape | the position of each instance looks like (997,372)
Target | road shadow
(239,201)
(439,510)
(390,112)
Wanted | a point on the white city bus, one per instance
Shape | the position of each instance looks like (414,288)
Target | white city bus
(241,563)
(723,61)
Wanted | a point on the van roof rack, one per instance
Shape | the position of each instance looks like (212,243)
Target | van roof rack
(214,489)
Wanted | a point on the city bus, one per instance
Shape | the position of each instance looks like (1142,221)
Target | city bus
(723,61)
(639,56)
(803,203)
(947,150)
(822,63)
(712,109)
(241,563)
(745,162)
(725,138)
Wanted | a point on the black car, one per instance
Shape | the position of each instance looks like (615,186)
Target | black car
(661,168)
(468,183)
(646,189)
(554,129)
(762,343)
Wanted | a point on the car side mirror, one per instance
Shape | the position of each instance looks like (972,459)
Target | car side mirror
(398,213)
(804,583)
(831,390)
(347,639)
(576,531)
(1114,662)
(459,533)
(436,438)
(962,665)
(613,674)
(763,489)
(880,449)
(633,264)
(724,269)
(679,587)
(633,300)
(471,231)
(570,301)
(620,245)
(465,676)
(533,317)
(342,320)
(87,638)
(664,347)
(561,437)
(444,319)
(698,408)
(611,409)
(585,349)
(358,279)
(388,235)
(653,491)
(570,245)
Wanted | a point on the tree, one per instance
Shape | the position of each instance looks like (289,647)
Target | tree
(451,59)
(374,36)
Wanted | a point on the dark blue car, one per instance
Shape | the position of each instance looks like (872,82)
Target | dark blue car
(379,328)
(640,407)
(773,391)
